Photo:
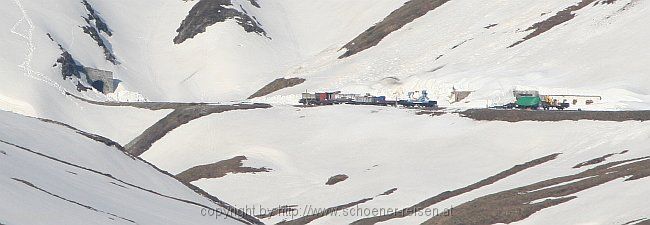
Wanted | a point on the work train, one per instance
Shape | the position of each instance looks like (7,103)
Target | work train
(331,98)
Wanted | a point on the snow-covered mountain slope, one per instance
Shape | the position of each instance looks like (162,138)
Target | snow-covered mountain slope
(295,162)
(420,45)
(469,45)
(53,174)
(223,63)
(382,148)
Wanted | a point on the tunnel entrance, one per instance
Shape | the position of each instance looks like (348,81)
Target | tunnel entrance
(99,85)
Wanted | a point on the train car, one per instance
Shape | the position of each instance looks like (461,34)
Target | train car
(324,98)
(421,101)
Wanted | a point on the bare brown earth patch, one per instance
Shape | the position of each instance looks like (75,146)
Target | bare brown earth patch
(325,212)
(449,194)
(554,115)
(336,179)
(218,169)
(410,11)
(519,203)
(276,85)
(597,160)
(557,19)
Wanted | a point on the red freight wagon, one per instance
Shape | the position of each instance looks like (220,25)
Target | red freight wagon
(321,96)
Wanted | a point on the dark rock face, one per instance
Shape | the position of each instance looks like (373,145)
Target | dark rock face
(410,11)
(208,12)
(559,18)
(81,87)
(69,66)
(99,23)
(95,26)
(276,85)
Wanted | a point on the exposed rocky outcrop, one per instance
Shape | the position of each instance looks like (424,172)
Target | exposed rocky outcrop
(559,18)
(218,169)
(98,22)
(95,25)
(254,3)
(410,11)
(81,87)
(209,12)
(336,179)
(69,66)
(276,85)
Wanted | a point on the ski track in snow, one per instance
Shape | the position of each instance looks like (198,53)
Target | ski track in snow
(26,65)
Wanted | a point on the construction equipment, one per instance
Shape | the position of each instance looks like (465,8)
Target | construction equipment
(549,102)
(422,101)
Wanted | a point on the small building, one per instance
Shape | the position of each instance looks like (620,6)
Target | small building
(457,96)
(101,80)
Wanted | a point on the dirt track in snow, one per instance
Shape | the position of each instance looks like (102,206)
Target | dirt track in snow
(182,114)
(554,115)
(177,118)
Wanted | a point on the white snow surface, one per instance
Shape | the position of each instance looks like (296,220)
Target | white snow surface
(381,148)
(602,51)
(115,201)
